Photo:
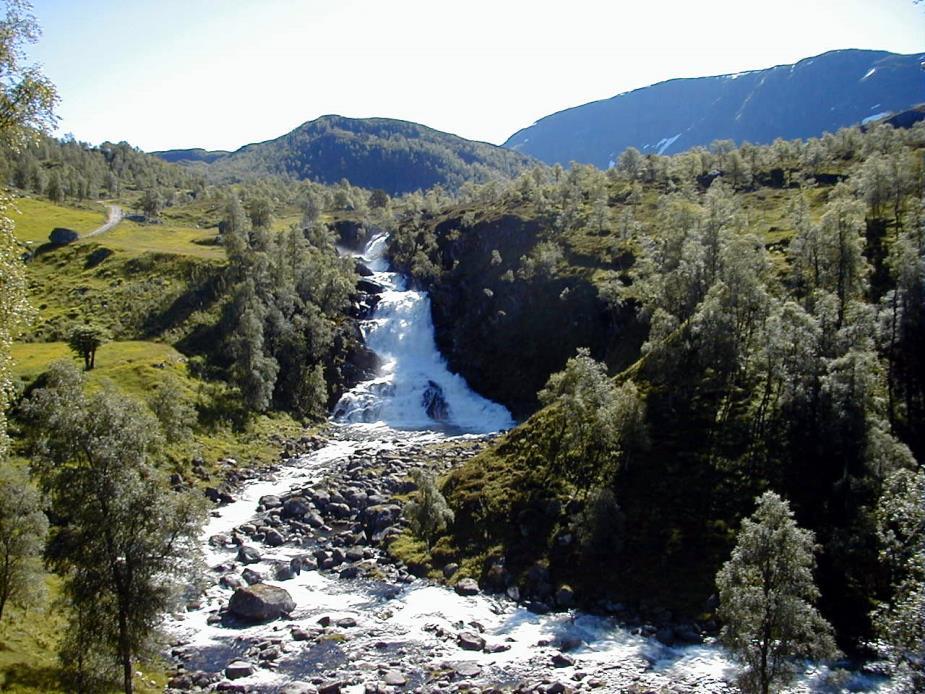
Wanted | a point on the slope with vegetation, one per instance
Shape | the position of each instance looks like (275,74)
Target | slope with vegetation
(376,153)
(760,312)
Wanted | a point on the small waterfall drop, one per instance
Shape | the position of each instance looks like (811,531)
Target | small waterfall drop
(414,389)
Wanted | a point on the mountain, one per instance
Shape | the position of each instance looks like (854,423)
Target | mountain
(188,156)
(394,155)
(815,95)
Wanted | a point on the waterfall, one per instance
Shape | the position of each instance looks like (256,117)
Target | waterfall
(413,389)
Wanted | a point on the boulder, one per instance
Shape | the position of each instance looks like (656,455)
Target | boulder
(61,236)
(298,688)
(467,586)
(296,507)
(381,516)
(470,641)
(261,603)
(251,577)
(274,538)
(270,501)
(395,678)
(248,555)
(562,660)
(238,669)
(565,596)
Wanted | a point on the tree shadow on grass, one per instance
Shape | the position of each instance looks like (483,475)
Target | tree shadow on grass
(25,677)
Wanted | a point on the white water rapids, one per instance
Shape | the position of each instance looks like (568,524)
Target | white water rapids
(398,625)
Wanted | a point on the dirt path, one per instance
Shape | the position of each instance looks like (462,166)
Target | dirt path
(115,216)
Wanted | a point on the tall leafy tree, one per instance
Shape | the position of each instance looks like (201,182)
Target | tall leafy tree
(23,527)
(766,593)
(126,544)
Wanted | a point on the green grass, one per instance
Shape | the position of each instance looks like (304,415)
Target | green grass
(28,649)
(136,367)
(35,218)
(135,239)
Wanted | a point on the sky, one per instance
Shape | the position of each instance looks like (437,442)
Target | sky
(218,74)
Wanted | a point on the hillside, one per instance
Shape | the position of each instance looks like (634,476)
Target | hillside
(815,95)
(733,314)
(376,153)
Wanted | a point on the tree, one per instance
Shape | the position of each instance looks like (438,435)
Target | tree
(27,100)
(84,340)
(23,527)
(428,514)
(173,410)
(600,424)
(125,543)
(766,593)
(27,97)
(152,203)
(899,622)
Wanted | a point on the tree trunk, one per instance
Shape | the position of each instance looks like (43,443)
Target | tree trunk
(125,653)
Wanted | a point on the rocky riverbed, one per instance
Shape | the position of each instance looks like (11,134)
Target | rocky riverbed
(303,596)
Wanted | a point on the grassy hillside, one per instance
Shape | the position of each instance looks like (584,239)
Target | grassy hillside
(35,218)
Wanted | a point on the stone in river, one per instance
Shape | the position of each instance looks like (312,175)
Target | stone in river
(248,555)
(394,678)
(470,641)
(239,669)
(467,586)
(261,603)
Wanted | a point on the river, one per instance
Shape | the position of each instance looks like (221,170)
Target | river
(362,624)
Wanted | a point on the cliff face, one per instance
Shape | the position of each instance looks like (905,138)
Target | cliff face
(503,331)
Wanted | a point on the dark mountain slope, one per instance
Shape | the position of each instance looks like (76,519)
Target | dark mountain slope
(813,96)
(396,156)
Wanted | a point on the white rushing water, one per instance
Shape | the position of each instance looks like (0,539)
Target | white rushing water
(413,372)
(405,627)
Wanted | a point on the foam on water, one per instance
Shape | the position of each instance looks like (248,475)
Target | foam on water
(412,369)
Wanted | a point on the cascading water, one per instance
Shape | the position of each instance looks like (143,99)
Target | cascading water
(381,629)
(414,388)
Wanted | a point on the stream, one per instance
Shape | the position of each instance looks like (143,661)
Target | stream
(316,527)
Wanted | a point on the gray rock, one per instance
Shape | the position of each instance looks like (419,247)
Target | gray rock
(298,688)
(251,577)
(467,586)
(296,507)
(380,516)
(562,660)
(238,669)
(232,581)
(450,570)
(467,670)
(261,603)
(346,622)
(470,641)
(274,538)
(248,555)
(270,501)
(394,678)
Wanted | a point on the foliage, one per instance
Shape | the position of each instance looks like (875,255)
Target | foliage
(173,410)
(428,513)
(766,593)
(23,527)
(85,340)
(600,424)
(126,545)
(900,621)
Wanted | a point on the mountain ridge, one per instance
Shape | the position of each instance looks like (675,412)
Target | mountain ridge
(820,100)
(394,155)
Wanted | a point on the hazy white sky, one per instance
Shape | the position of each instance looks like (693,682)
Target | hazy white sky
(221,73)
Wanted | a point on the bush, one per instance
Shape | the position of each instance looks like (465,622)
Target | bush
(61,236)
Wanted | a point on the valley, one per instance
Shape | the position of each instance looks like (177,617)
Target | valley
(630,403)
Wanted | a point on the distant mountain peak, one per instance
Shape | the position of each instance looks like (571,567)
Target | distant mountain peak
(395,155)
(804,99)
